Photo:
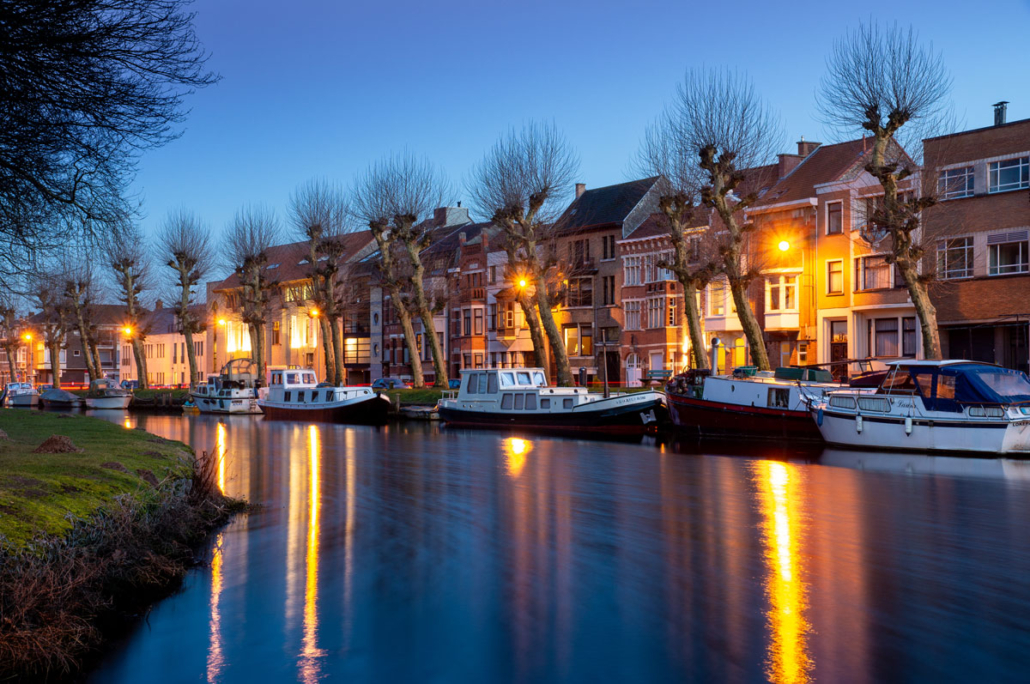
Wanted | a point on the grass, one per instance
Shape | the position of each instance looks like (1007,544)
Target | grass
(42,493)
(415,397)
(177,394)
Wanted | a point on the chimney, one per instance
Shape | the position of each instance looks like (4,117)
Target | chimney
(580,189)
(788,162)
(806,148)
(158,305)
(999,112)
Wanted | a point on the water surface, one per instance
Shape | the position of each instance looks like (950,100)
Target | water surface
(417,554)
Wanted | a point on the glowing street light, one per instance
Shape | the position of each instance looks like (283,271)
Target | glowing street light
(314,313)
(27,337)
(784,245)
(221,321)
(522,282)
(128,331)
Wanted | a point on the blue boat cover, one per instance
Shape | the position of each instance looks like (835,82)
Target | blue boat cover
(947,388)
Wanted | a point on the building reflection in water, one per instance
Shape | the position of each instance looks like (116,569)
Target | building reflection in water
(780,492)
(310,653)
(220,441)
(515,450)
(215,657)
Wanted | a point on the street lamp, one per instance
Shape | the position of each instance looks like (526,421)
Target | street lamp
(314,312)
(522,282)
(127,331)
(784,245)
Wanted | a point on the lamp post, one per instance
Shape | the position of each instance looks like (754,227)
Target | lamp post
(28,369)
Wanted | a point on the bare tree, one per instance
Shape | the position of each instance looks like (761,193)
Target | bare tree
(670,154)
(395,198)
(253,231)
(11,327)
(515,273)
(321,212)
(719,115)
(520,184)
(184,246)
(55,321)
(130,267)
(880,80)
(86,87)
(81,293)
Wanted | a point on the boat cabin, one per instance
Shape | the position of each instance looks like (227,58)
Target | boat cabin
(517,389)
(301,386)
(952,385)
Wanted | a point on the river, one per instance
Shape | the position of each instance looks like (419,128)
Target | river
(414,553)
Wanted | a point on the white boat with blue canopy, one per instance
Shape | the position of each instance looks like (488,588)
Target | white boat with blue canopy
(932,406)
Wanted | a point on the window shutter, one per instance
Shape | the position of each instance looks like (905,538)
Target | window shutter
(1001,238)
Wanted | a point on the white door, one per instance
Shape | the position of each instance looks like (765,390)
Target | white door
(632,371)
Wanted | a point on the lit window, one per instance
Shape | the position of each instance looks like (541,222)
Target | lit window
(1011,174)
(783,293)
(835,277)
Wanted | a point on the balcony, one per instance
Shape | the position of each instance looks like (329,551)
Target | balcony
(472,294)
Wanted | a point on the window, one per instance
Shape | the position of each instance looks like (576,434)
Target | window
(478,315)
(566,403)
(468,322)
(835,277)
(493,275)
(479,360)
(834,218)
(356,350)
(506,400)
(633,315)
(717,298)
(874,273)
(802,353)
(778,398)
(579,341)
(523,378)
(581,292)
(955,183)
(572,340)
(607,247)
(531,401)
(491,385)
(655,305)
(545,403)
(783,293)
(908,336)
(608,290)
(491,319)
(1011,174)
(75,352)
(1007,253)
(276,340)
(673,320)
(955,258)
(885,336)
(631,270)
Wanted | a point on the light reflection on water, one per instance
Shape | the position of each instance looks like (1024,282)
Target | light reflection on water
(409,553)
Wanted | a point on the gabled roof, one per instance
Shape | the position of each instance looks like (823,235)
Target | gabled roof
(100,314)
(824,165)
(163,320)
(656,225)
(603,206)
(289,262)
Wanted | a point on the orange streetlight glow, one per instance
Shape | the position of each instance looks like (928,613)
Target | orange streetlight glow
(522,282)
(221,321)
(314,313)
(784,245)
(127,331)
(27,337)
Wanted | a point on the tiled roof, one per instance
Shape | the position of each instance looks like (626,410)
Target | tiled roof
(656,225)
(826,164)
(101,314)
(289,262)
(601,206)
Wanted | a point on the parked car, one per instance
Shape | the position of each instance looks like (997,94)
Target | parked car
(390,383)
(130,384)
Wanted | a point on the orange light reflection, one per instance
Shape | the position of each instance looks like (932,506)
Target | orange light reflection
(310,653)
(220,446)
(215,657)
(516,450)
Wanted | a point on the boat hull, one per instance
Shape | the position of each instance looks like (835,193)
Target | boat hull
(706,418)
(23,401)
(373,410)
(241,405)
(108,403)
(924,434)
(636,419)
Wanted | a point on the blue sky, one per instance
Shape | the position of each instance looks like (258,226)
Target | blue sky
(319,89)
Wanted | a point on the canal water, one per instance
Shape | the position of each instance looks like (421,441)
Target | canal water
(411,553)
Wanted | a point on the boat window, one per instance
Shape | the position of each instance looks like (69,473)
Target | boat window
(898,381)
(1008,384)
(286,397)
(482,383)
(519,401)
(523,378)
(291,378)
(506,400)
(310,377)
(545,403)
(779,397)
(539,380)
(531,401)
(567,403)
(329,395)
(945,386)
(492,384)
(277,379)
(924,380)
(300,396)
(473,383)
(507,380)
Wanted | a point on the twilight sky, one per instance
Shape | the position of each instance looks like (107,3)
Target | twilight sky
(315,88)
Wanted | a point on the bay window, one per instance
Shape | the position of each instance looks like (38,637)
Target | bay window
(782,293)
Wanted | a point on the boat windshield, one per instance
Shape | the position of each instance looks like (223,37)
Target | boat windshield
(539,380)
(1008,384)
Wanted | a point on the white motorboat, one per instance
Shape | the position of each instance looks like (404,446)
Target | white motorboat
(932,406)
(520,398)
(234,390)
(104,395)
(294,394)
(21,395)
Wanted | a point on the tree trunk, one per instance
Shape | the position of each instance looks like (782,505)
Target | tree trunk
(141,363)
(417,380)
(338,378)
(328,349)
(191,357)
(429,337)
(95,352)
(11,352)
(925,310)
(257,349)
(536,333)
(87,355)
(749,322)
(561,358)
(55,362)
(693,316)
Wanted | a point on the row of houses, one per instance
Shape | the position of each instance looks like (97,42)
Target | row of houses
(824,290)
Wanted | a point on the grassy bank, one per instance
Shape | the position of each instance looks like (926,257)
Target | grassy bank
(91,536)
(415,397)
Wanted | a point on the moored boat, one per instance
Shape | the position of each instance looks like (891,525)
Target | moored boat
(233,390)
(759,405)
(295,394)
(932,406)
(54,398)
(520,398)
(21,395)
(104,395)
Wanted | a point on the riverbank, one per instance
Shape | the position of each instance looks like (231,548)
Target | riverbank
(96,523)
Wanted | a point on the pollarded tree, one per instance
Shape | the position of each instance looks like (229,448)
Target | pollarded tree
(130,266)
(55,321)
(882,80)
(520,184)
(321,211)
(719,115)
(184,246)
(80,293)
(11,328)
(253,231)
(395,198)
